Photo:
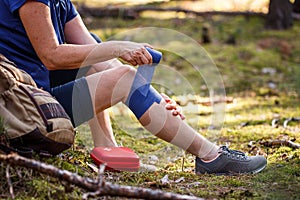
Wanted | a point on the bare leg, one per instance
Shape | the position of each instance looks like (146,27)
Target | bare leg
(100,125)
(173,129)
(112,86)
(102,131)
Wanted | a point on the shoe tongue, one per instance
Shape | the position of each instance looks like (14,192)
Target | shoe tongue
(226,149)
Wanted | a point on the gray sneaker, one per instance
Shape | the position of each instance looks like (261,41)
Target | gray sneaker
(231,162)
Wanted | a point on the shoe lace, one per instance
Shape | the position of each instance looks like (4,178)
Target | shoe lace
(232,153)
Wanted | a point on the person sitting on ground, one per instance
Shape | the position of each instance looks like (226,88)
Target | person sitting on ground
(48,39)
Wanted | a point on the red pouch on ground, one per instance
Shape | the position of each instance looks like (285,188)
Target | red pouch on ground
(116,158)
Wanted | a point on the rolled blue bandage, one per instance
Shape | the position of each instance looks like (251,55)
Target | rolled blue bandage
(142,95)
(156,55)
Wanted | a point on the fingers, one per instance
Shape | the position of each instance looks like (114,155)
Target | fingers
(138,57)
(147,56)
(130,59)
(177,111)
(166,98)
(173,107)
(142,56)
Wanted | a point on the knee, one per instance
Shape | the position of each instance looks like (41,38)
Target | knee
(127,70)
(121,71)
(119,81)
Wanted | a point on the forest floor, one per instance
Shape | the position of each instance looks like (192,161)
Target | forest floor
(260,70)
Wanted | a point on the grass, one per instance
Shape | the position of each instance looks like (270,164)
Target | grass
(256,102)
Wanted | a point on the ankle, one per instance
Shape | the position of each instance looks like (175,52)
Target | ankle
(212,155)
(210,158)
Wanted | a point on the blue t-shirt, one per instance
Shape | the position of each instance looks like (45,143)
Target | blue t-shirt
(14,43)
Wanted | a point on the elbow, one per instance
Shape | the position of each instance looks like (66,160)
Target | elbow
(51,61)
(58,63)
(50,66)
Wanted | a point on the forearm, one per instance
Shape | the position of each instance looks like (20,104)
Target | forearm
(69,56)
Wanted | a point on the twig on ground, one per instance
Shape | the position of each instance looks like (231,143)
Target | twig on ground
(11,189)
(101,188)
(273,143)
(100,183)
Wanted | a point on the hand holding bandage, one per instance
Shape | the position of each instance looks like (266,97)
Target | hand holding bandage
(139,56)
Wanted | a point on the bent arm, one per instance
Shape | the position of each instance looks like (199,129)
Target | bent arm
(77,33)
(36,19)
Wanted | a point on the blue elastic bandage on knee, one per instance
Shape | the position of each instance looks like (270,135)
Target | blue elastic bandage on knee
(139,103)
(142,95)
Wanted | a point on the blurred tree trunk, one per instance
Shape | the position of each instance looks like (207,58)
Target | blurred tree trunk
(296,6)
(280,15)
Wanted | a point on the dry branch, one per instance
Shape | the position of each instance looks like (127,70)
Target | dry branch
(273,143)
(99,187)
(204,102)
(134,12)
